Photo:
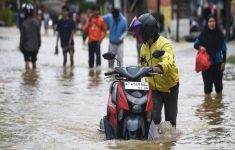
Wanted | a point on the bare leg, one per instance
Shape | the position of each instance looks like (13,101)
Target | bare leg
(219,95)
(26,65)
(207,95)
(34,65)
(71,53)
(65,58)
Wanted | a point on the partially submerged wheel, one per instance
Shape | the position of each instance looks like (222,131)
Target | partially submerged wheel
(133,135)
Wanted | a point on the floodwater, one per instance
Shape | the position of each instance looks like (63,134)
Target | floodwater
(55,107)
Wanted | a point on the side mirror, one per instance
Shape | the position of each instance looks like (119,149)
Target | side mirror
(158,53)
(108,56)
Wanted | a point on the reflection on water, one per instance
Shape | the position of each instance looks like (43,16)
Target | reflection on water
(167,140)
(55,107)
(212,109)
(94,79)
(65,80)
(229,73)
(30,77)
(30,85)
(68,72)
(143,145)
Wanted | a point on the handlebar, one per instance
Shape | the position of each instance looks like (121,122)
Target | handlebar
(121,72)
(113,72)
(152,73)
(109,73)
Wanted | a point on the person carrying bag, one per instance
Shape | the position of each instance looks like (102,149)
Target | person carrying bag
(211,41)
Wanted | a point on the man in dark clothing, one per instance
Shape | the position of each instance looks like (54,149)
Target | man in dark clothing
(66,30)
(30,37)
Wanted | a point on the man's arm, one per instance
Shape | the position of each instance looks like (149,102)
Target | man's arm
(71,38)
(106,18)
(39,35)
(167,60)
(125,30)
(224,51)
(86,26)
(56,46)
(103,29)
(72,34)
(22,38)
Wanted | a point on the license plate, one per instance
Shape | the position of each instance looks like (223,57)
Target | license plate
(136,85)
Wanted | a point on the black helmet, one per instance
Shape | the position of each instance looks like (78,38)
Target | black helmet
(27,9)
(148,25)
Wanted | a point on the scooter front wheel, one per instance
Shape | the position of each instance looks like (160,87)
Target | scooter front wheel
(133,135)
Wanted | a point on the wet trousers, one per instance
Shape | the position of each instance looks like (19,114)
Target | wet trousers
(30,56)
(170,102)
(94,50)
(118,51)
(211,76)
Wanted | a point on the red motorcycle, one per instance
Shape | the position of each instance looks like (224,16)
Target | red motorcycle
(129,109)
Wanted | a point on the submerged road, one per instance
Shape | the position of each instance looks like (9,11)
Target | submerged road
(55,107)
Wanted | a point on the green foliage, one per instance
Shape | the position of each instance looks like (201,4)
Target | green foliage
(7,15)
(85,5)
(27,1)
(231,59)
(144,5)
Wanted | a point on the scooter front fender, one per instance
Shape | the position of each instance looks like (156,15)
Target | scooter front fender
(133,123)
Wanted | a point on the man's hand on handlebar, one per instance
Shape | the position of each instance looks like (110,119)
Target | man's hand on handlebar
(157,70)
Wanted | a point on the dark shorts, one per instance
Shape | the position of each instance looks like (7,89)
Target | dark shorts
(67,50)
(30,56)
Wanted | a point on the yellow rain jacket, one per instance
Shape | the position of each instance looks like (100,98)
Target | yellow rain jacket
(170,75)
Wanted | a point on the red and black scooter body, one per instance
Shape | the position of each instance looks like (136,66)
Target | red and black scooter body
(129,109)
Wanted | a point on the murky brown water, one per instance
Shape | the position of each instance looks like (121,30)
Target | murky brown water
(59,108)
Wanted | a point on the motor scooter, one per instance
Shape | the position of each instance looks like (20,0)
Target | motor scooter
(130,106)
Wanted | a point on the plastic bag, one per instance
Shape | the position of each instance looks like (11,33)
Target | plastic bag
(202,61)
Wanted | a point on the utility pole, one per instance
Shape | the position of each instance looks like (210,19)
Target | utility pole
(228,16)
(158,6)
(178,20)
(125,8)
(2,5)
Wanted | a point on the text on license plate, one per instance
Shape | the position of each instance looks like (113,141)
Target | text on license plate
(136,86)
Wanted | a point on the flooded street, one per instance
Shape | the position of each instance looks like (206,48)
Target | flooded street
(55,107)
